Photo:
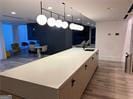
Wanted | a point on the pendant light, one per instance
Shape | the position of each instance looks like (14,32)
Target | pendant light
(65,23)
(81,26)
(58,23)
(74,26)
(77,27)
(51,21)
(41,19)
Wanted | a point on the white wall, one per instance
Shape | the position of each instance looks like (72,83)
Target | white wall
(110,46)
(128,45)
(2,44)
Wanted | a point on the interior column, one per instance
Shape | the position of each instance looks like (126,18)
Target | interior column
(15,33)
(2,44)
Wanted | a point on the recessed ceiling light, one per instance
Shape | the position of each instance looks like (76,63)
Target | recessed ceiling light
(68,15)
(78,19)
(50,8)
(13,12)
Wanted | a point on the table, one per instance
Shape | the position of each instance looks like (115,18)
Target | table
(38,51)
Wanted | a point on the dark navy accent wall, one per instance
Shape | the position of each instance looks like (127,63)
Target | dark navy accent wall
(57,39)
(79,36)
(93,35)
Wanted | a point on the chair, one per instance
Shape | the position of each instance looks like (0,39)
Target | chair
(31,42)
(44,49)
(81,44)
(87,43)
(24,44)
(32,48)
(15,47)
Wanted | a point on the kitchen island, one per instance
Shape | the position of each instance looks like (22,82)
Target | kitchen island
(64,75)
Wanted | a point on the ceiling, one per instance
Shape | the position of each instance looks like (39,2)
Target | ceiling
(102,10)
(97,10)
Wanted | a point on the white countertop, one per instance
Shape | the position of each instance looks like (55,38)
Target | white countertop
(53,70)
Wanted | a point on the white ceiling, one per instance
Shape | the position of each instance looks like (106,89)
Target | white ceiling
(97,10)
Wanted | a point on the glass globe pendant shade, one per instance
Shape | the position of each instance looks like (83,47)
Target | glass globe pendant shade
(51,22)
(77,27)
(81,28)
(64,25)
(41,19)
(58,23)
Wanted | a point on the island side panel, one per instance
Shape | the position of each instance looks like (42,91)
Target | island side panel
(27,90)
(81,79)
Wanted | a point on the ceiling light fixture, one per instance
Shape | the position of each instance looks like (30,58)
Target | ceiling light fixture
(51,21)
(78,19)
(13,12)
(68,15)
(50,8)
(74,26)
(65,23)
(41,19)
(58,23)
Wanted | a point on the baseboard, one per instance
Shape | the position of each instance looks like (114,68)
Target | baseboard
(115,59)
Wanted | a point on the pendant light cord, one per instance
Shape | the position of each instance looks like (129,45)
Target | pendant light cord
(64,10)
(72,13)
(81,18)
(41,6)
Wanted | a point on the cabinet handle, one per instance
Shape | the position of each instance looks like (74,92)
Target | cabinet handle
(73,82)
(86,67)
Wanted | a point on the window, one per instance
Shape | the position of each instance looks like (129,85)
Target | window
(8,36)
(23,35)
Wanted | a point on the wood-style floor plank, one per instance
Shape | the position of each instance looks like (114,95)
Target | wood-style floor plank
(110,82)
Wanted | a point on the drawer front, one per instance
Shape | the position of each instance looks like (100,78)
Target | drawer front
(66,91)
(74,87)
(90,68)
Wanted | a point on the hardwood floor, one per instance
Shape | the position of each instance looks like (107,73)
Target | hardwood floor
(110,82)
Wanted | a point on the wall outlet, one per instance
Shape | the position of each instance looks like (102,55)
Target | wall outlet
(117,34)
